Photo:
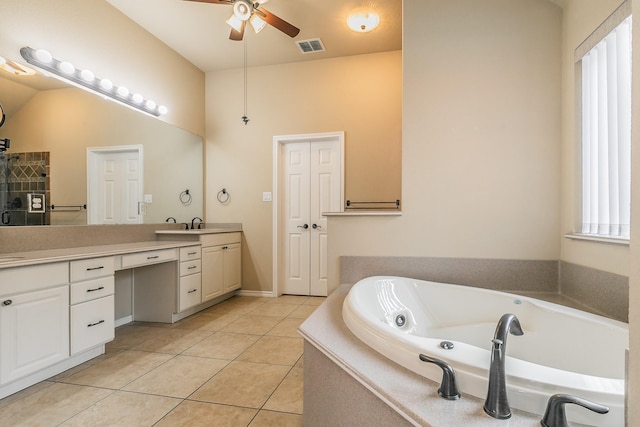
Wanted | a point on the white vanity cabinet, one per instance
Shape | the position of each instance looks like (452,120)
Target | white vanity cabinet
(190,282)
(34,319)
(221,264)
(92,303)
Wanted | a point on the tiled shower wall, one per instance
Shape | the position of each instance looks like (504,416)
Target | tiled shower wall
(28,173)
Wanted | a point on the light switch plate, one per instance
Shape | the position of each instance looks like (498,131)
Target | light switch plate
(266,196)
(148,198)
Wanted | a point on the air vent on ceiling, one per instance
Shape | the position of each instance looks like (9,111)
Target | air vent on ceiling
(310,45)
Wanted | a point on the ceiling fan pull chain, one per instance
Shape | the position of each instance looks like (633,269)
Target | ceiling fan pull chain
(245,118)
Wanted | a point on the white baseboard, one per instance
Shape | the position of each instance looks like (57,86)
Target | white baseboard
(247,293)
(123,321)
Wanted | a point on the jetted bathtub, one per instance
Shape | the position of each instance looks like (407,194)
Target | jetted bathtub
(563,350)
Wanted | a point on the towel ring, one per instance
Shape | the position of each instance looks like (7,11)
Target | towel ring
(223,196)
(185,197)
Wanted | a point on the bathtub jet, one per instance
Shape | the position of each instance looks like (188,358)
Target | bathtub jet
(563,351)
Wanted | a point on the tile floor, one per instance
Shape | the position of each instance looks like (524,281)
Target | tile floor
(238,363)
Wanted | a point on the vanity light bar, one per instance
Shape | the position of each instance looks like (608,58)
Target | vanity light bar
(87,80)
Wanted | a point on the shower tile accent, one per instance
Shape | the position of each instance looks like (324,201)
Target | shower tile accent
(28,173)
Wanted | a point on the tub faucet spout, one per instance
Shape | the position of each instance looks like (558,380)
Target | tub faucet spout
(497,404)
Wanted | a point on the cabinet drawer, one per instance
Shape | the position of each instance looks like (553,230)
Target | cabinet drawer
(219,239)
(190,253)
(148,258)
(92,324)
(190,267)
(91,289)
(25,279)
(91,268)
(190,291)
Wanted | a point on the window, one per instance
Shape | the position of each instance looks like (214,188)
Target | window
(606,134)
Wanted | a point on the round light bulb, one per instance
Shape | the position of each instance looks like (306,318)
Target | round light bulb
(137,98)
(67,67)
(87,75)
(151,105)
(106,84)
(123,91)
(162,110)
(43,56)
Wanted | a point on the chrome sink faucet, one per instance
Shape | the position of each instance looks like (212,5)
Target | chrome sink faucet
(497,404)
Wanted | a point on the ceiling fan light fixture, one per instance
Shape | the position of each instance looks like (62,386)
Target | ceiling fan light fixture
(235,23)
(242,10)
(257,23)
(363,21)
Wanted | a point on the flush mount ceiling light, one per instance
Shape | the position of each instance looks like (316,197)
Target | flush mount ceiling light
(85,79)
(15,68)
(363,21)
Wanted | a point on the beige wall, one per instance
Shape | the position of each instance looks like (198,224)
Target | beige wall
(481,130)
(360,95)
(66,122)
(93,34)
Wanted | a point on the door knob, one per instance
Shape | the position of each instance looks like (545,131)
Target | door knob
(304,227)
(316,227)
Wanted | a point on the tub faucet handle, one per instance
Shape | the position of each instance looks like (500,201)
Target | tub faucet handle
(448,387)
(555,415)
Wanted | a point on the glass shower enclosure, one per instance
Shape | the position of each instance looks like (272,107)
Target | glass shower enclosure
(4,190)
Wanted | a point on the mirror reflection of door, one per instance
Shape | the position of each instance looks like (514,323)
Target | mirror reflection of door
(115,185)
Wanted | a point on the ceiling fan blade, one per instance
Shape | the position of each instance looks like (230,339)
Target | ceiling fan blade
(227,2)
(237,35)
(279,23)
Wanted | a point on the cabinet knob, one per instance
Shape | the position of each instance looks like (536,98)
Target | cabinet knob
(7,302)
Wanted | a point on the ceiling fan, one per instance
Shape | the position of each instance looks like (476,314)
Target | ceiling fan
(258,17)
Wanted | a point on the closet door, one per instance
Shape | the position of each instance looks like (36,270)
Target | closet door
(296,242)
(311,181)
(324,197)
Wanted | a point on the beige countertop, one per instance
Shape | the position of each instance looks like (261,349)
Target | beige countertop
(196,231)
(416,397)
(19,259)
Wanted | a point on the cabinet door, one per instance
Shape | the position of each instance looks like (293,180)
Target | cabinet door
(34,332)
(232,267)
(212,272)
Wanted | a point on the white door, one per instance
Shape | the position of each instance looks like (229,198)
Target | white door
(115,186)
(311,178)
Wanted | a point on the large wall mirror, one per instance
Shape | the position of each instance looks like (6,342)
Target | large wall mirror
(51,126)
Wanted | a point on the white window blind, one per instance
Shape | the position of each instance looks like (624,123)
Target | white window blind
(606,135)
